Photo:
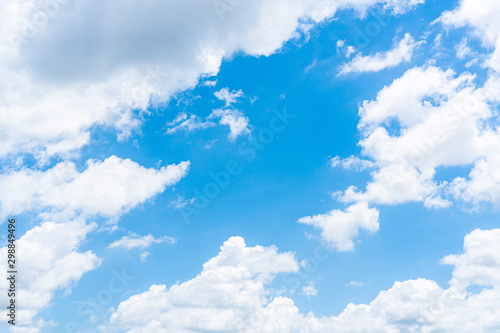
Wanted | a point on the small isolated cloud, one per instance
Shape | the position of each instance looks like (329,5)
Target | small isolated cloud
(209,83)
(139,242)
(183,123)
(348,50)
(355,284)
(144,255)
(309,290)
(238,123)
(339,228)
(351,162)
(181,202)
(229,97)
(402,52)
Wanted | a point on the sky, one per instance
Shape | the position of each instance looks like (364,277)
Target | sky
(251,166)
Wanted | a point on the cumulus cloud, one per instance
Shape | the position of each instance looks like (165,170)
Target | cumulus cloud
(480,262)
(108,188)
(50,262)
(426,120)
(228,296)
(230,287)
(339,228)
(402,52)
(139,242)
(440,121)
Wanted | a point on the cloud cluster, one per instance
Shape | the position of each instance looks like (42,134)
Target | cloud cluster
(427,120)
(68,67)
(230,295)
(221,298)
(49,261)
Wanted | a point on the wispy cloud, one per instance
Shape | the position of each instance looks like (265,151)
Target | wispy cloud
(230,97)
(139,242)
(402,52)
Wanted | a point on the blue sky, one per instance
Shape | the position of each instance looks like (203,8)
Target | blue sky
(302,107)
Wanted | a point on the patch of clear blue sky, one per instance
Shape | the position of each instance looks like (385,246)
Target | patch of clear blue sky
(287,180)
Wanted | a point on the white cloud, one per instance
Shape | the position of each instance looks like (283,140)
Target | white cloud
(139,242)
(402,52)
(480,262)
(238,123)
(235,119)
(339,228)
(309,290)
(427,119)
(108,188)
(209,83)
(463,49)
(229,97)
(351,162)
(144,255)
(181,202)
(441,119)
(228,297)
(482,15)
(355,284)
(67,68)
(49,262)
(230,287)
(183,123)
(402,6)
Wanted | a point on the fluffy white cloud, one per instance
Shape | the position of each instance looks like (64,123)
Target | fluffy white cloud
(228,297)
(70,66)
(49,261)
(402,52)
(230,287)
(480,262)
(426,120)
(108,188)
(139,242)
(235,119)
(441,120)
(339,228)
